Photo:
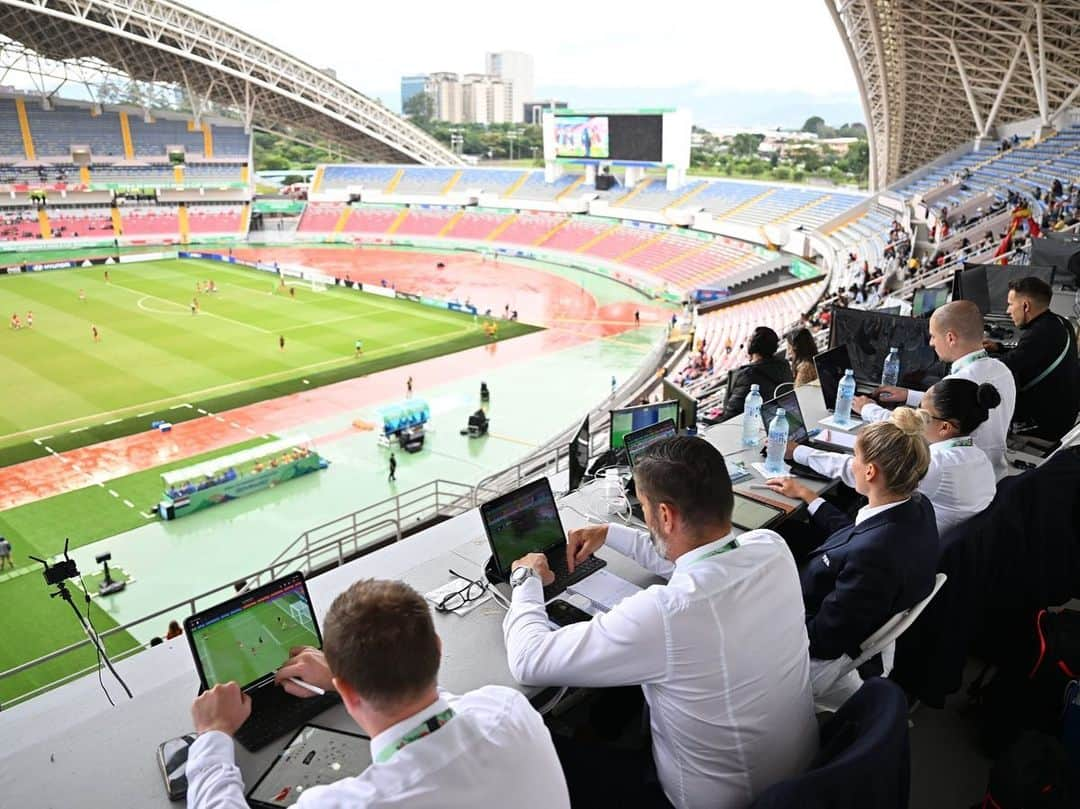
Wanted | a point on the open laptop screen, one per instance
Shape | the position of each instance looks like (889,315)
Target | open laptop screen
(627,419)
(831,366)
(248,637)
(523,521)
(790,403)
(639,441)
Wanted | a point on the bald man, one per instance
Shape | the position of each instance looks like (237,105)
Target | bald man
(956,335)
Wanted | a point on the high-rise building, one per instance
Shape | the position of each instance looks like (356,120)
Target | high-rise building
(447,92)
(484,99)
(516,68)
(412,86)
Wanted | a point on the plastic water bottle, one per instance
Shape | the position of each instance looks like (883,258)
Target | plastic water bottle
(845,395)
(751,418)
(777,446)
(890,374)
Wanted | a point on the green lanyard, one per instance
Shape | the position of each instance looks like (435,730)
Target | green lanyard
(727,546)
(961,441)
(964,362)
(425,728)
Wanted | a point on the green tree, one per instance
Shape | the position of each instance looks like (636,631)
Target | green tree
(813,124)
(745,144)
(420,107)
(292,178)
(272,162)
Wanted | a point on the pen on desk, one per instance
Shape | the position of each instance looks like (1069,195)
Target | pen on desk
(314,689)
(764,486)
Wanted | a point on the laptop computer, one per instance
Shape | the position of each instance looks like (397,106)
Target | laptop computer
(246,640)
(798,433)
(637,444)
(831,366)
(527,520)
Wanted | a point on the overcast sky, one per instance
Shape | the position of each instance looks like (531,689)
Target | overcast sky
(777,49)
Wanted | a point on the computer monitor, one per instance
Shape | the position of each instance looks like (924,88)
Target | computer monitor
(520,522)
(988,284)
(970,284)
(627,419)
(687,404)
(925,301)
(869,336)
(639,441)
(579,455)
(830,366)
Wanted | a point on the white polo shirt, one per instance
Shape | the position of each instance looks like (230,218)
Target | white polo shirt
(720,651)
(959,481)
(494,751)
(990,435)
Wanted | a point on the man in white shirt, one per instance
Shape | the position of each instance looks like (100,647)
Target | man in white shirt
(430,749)
(720,651)
(956,335)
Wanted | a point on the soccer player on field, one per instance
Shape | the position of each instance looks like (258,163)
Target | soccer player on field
(15,320)
(82,295)
(30,319)
(359,348)
(281,343)
(95,334)
(107,277)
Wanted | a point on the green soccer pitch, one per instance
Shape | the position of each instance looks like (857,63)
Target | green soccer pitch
(247,646)
(154,353)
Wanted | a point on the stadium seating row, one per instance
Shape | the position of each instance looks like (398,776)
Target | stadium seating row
(96,221)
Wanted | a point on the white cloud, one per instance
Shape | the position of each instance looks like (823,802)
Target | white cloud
(772,45)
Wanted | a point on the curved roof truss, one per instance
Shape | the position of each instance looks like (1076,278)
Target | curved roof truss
(935,74)
(159,41)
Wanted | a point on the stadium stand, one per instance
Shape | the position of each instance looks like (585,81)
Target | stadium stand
(55,131)
(11,141)
(210,217)
(81,222)
(535,187)
(476,225)
(425,221)
(529,228)
(150,220)
(342,177)
(18,224)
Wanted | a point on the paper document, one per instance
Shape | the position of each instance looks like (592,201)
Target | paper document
(854,423)
(836,437)
(461,586)
(604,589)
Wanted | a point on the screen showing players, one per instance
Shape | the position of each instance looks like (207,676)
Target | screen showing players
(634,418)
(525,522)
(581,136)
(250,640)
(792,412)
(638,443)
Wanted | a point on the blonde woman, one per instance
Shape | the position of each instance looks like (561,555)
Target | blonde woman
(884,562)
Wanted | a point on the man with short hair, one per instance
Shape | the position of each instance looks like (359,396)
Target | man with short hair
(430,749)
(720,652)
(766,369)
(956,335)
(1044,362)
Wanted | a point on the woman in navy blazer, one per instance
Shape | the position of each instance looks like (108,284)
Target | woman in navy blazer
(882,563)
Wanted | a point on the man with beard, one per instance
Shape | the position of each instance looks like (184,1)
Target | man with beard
(720,651)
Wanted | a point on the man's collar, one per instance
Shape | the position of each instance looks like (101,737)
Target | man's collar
(702,551)
(393,734)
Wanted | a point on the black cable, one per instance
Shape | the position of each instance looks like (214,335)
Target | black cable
(97,646)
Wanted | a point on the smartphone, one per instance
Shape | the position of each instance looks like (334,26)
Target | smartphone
(172,759)
(563,613)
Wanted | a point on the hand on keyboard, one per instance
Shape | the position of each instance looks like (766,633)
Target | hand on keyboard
(539,563)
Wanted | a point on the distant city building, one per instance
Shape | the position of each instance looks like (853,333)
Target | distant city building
(517,69)
(484,99)
(533,111)
(448,97)
(413,86)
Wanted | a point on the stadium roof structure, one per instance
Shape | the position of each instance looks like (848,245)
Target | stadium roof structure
(934,74)
(164,42)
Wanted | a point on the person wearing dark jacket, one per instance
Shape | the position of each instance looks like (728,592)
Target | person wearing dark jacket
(1044,362)
(766,369)
(882,563)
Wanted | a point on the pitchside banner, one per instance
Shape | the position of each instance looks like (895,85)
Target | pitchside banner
(249,484)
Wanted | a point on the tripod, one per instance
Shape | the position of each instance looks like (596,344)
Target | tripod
(63,592)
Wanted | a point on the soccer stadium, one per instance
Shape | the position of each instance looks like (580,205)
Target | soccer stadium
(214,381)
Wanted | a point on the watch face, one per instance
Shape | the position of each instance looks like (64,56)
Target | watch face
(519,575)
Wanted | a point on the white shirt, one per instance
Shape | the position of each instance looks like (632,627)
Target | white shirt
(959,482)
(720,651)
(494,751)
(990,435)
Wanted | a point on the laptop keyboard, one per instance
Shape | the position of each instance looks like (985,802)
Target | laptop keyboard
(274,712)
(564,578)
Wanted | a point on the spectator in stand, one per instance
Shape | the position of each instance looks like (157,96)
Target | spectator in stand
(801,349)
(174,630)
(766,369)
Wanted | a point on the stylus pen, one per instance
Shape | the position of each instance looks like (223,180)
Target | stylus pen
(314,689)
(761,486)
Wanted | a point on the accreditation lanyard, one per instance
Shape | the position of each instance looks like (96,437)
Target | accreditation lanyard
(964,362)
(425,728)
(962,441)
(727,546)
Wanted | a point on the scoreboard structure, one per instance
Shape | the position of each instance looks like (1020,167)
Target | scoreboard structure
(634,140)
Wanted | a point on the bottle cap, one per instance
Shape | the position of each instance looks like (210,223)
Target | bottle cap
(849,372)
(780,411)
(755,387)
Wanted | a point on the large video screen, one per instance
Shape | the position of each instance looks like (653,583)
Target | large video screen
(631,137)
(582,136)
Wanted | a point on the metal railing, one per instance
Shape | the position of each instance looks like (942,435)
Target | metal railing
(328,545)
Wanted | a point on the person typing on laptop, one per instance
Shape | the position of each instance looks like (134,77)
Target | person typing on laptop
(960,480)
(956,335)
(720,651)
(429,748)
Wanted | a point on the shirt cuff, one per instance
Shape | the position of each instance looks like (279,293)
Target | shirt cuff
(815,505)
(914,398)
(801,455)
(620,538)
(210,749)
(528,593)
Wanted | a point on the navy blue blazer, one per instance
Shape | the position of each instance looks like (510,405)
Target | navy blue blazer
(864,574)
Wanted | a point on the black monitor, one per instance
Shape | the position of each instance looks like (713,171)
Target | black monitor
(925,301)
(579,455)
(988,284)
(869,335)
(687,404)
(627,419)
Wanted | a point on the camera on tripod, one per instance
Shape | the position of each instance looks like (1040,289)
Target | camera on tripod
(59,571)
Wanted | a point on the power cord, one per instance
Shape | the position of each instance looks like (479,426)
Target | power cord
(97,646)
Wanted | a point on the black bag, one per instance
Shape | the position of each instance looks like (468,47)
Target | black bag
(1032,774)
(1029,693)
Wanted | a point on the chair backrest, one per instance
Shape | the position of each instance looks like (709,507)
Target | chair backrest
(896,626)
(864,761)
